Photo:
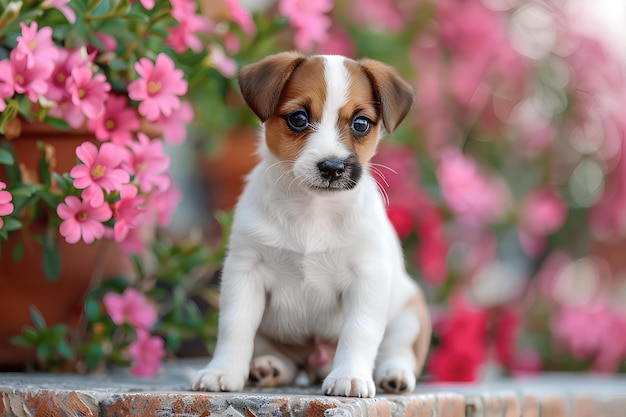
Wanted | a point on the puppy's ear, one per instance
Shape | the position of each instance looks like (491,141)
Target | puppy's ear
(394,94)
(262,82)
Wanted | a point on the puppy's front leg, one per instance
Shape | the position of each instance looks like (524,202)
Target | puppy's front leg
(365,303)
(242,301)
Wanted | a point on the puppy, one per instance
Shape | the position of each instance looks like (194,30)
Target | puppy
(314,278)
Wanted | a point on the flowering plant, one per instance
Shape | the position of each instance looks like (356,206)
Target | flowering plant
(128,74)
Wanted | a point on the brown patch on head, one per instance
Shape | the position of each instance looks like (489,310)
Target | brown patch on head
(361,102)
(305,90)
(262,81)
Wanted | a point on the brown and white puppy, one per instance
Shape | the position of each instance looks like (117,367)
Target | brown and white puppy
(314,276)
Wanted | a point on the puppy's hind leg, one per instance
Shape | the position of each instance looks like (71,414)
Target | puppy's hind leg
(269,366)
(403,350)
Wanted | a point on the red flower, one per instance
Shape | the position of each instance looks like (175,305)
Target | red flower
(432,253)
(450,365)
(507,330)
(401,220)
(463,348)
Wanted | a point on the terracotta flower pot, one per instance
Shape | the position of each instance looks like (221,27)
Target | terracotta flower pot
(224,172)
(23,283)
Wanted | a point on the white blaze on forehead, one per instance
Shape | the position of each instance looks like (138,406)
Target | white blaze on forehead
(336,75)
(327,136)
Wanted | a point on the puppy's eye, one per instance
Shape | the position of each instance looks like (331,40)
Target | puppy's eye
(361,126)
(298,120)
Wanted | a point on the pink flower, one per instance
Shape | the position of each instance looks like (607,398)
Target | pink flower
(89,92)
(131,307)
(543,213)
(109,43)
(338,42)
(241,17)
(100,171)
(308,18)
(380,14)
(127,211)
(147,163)
(159,87)
(608,217)
(594,331)
(58,84)
(6,207)
(134,243)
(7,83)
(62,6)
(31,81)
(82,220)
(147,4)
(148,352)
(164,203)
(476,37)
(116,123)
(526,362)
(476,199)
(67,111)
(184,35)
(224,64)
(175,127)
(35,46)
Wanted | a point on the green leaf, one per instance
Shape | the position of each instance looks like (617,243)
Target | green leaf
(173,340)
(44,167)
(37,318)
(9,113)
(92,308)
(59,124)
(18,251)
(138,266)
(64,349)
(51,255)
(20,341)
(43,352)
(12,170)
(24,190)
(11,224)
(31,335)
(94,356)
(6,157)
(64,182)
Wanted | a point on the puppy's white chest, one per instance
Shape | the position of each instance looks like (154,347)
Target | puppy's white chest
(303,297)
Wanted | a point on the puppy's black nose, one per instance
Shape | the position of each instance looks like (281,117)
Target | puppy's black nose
(331,169)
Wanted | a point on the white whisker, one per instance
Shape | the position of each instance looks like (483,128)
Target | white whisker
(381,175)
(384,166)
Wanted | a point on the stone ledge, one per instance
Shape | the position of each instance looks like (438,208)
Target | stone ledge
(118,395)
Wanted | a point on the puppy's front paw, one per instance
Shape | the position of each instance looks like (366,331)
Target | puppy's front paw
(346,384)
(396,380)
(266,371)
(215,380)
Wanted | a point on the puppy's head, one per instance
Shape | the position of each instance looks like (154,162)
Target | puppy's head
(324,115)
